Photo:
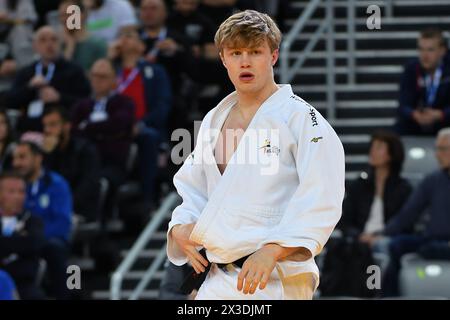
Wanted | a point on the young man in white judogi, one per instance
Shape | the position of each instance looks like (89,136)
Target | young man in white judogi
(265,180)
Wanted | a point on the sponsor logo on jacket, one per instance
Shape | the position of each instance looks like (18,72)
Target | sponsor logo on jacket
(269,149)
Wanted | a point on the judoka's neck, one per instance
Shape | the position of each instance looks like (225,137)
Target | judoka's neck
(249,103)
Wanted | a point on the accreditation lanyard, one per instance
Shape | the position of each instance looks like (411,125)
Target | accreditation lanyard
(39,71)
(125,83)
(100,105)
(432,85)
(161,36)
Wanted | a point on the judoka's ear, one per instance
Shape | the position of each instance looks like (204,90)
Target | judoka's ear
(222,58)
(275,55)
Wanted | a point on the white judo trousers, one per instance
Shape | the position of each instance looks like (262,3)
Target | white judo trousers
(291,195)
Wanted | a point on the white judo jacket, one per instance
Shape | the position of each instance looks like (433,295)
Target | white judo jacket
(291,196)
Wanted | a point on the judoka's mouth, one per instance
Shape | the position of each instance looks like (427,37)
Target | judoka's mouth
(246,76)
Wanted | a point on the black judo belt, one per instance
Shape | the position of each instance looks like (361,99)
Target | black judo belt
(194,280)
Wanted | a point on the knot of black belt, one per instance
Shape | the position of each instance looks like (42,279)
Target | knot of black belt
(194,280)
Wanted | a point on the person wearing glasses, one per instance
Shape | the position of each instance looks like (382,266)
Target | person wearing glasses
(432,195)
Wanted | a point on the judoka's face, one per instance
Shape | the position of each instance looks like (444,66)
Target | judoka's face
(443,151)
(12,196)
(379,154)
(250,69)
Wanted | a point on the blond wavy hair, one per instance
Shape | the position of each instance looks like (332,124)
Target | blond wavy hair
(247,29)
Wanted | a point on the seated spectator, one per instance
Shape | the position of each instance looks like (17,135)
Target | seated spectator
(372,200)
(107,120)
(7,142)
(163,45)
(218,10)
(166,46)
(48,197)
(79,46)
(51,79)
(424,104)
(107,17)
(21,237)
(17,18)
(277,9)
(198,29)
(432,195)
(7,287)
(16,29)
(75,158)
(43,8)
(148,85)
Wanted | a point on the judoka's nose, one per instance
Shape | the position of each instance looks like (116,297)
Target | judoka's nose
(245,60)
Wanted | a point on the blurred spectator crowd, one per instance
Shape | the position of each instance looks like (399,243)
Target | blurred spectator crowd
(85,122)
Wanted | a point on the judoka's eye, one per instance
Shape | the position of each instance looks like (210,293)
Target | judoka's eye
(236,53)
(255,52)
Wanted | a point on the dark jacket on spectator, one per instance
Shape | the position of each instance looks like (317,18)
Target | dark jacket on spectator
(26,243)
(178,63)
(158,96)
(113,136)
(413,96)
(433,193)
(79,164)
(69,80)
(359,199)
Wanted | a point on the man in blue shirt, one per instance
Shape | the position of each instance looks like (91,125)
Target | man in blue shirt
(433,194)
(49,197)
(7,287)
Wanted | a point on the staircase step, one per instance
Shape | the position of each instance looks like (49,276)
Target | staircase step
(147,253)
(397,22)
(138,275)
(348,88)
(370,122)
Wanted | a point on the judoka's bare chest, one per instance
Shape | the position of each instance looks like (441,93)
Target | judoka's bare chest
(231,133)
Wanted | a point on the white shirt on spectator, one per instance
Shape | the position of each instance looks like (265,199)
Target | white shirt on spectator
(106,22)
(375,223)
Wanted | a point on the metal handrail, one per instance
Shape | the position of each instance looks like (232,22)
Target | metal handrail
(288,72)
(351,43)
(117,278)
(389,8)
(149,273)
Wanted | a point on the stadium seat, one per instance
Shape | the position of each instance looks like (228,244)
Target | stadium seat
(419,158)
(424,278)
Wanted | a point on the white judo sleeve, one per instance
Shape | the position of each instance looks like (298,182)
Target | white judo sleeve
(316,206)
(191,185)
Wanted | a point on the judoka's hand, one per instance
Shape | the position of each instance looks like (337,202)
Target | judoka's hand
(256,269)
(181,234)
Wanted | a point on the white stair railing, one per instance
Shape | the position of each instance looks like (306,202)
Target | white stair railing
(169,203)
(288,72)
